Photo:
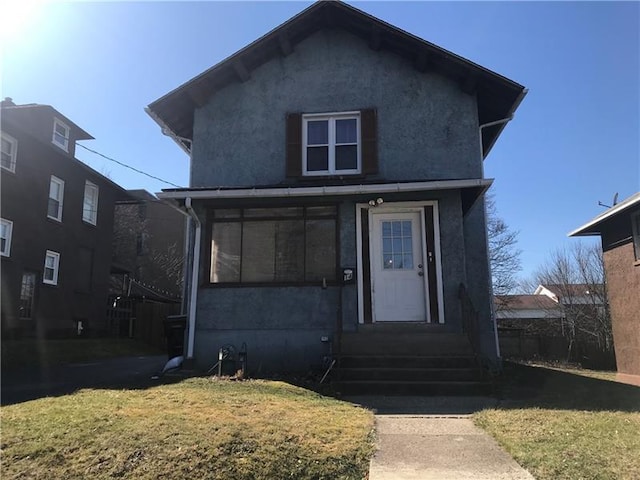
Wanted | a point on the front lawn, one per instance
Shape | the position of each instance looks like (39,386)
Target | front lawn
(199,428)
(561,424)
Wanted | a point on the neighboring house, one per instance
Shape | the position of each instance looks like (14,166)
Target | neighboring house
(533,314)
(148,248)
(619,229)
(585,311)
(57,226)
(336,194)
(531,327)
(573,293)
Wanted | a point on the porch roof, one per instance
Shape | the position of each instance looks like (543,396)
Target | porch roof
(472,190)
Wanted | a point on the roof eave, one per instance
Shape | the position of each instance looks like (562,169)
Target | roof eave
(189,89)
(591,228)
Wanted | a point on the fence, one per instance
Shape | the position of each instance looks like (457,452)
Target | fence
(516,344)
(140,319)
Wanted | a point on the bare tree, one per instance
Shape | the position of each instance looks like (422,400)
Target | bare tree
(576,277)
(504,257)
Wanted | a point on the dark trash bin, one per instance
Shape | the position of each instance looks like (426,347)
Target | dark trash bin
(174,327)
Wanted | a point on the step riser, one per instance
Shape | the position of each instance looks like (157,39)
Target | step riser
(347,388)
(424,375)
(404,344)
(406,362)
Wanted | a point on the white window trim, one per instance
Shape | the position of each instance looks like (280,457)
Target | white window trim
(14,152)
(331,118)
(56,267)
(93,214)
(60,182)
(64,145)
(7,250)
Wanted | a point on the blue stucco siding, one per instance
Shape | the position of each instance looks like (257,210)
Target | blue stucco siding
(267,307)
(427,127)
(282,326)
(478,275)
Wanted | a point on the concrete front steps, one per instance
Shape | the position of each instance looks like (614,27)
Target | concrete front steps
(401,362)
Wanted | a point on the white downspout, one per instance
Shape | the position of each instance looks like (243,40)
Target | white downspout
(195,269)
(492,311)
(491,306)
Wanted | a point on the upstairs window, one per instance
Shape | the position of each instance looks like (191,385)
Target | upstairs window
(90,203)
(8,153)
(56,196)
(6,229)
(331,144)
(51,266)
(61,134)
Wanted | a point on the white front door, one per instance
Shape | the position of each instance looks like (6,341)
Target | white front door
(397,267)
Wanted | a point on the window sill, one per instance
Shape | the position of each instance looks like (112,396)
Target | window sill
(88,223)
(319,178)
(55,220)
(332,283)
(49,284)
(61,147)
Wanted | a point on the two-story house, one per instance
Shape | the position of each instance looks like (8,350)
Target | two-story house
(57,226)
(336,194)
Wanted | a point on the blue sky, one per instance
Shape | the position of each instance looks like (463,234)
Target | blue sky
(575,139)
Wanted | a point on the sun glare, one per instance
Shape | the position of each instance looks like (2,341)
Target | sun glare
(16,16)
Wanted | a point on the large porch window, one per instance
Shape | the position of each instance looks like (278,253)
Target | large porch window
(273,245)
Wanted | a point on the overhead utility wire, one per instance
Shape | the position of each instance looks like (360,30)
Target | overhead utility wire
(128,166)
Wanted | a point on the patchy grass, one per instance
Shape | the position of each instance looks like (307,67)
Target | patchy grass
(575,369)
(565,424)
(199,428)
(31,353)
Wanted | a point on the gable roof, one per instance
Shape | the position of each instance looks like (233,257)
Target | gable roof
(594,227)
(525,302)
(573,290)
(498,97)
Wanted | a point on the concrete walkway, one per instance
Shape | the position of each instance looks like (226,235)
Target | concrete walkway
(423,438)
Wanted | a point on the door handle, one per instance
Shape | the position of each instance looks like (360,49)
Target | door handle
(421,273)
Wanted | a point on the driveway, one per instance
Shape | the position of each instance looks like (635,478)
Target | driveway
(124,372)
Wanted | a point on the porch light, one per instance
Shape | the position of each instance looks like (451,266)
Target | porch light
(376,202)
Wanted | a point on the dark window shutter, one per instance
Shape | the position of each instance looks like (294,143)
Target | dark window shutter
(368,118)
(294,145)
